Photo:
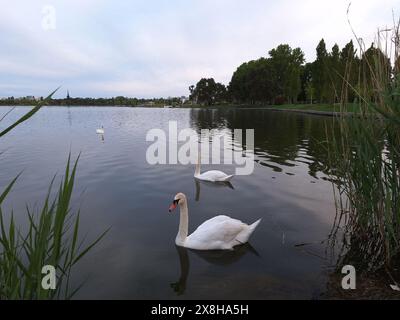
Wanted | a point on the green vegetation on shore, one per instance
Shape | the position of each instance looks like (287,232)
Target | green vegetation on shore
(306,107)
(351,107)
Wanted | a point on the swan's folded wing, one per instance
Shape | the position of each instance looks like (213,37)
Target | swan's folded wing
(213,175)
(213,221)
(220,228)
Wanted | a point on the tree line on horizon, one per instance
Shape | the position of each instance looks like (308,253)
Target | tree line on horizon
(285,77)
(85,101)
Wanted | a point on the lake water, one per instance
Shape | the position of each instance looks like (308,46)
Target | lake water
(117,188)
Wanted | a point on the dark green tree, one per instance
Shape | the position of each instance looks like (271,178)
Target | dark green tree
(254,82)
(286,63)
(334,76)
(207,91)
(349,71)
(307,93)
(320,73)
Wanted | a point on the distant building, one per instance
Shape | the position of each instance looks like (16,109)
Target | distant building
(68,97)
(184,99)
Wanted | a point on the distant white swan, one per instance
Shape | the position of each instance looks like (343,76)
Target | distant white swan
(218,233)
(100,131)
(212,175)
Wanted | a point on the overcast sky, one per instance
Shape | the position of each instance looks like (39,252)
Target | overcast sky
(158,48)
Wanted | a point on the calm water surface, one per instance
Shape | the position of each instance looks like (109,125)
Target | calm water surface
(116,187)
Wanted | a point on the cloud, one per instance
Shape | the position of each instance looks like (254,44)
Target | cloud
(159,48)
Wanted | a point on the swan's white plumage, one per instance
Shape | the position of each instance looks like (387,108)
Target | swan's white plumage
(212,175)
(218,233)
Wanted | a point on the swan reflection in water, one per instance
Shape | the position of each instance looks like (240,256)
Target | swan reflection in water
(220,184)
(216,257)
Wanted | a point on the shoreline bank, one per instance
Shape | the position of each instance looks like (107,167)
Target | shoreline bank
(290,108)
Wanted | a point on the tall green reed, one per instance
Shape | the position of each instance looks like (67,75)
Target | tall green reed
(51,239)
(366,160)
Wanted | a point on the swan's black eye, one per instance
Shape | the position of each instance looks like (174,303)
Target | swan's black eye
(176,202)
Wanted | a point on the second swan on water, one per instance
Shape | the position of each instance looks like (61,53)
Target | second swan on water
(212,175)
(100,130)
(218,233)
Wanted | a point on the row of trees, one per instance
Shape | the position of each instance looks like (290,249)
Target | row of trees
(79,101)
(284,77)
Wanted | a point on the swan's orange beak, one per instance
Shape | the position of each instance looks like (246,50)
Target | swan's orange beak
(172,207)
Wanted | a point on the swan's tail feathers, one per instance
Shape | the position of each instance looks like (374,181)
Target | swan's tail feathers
(228,178)
(244,236)
(254,225)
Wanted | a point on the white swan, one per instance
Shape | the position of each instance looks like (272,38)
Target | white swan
(218,233)
(212,175)
(100,131)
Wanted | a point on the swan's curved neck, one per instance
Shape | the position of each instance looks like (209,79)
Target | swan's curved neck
(197,170)
(183,224)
